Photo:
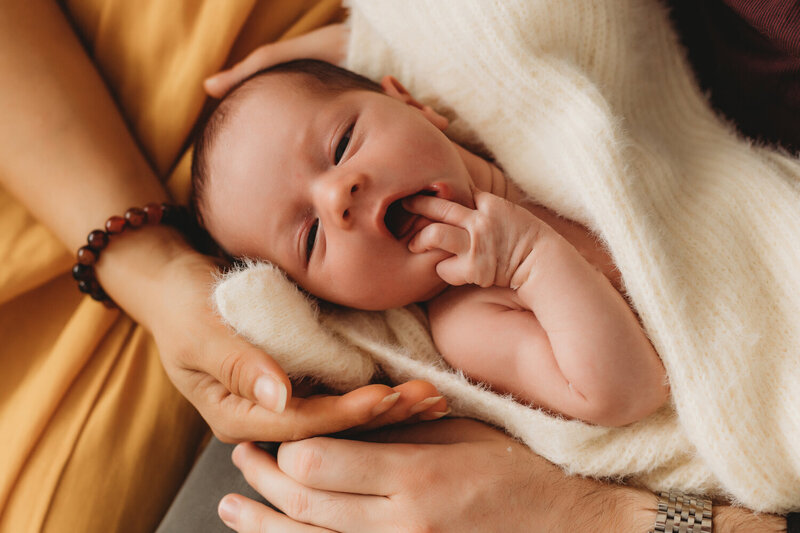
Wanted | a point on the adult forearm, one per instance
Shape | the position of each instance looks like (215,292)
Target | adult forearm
(67,155)
(65,151)
(729,519)
(634,510)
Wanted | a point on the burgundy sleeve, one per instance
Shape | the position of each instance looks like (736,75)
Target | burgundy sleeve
(746,54)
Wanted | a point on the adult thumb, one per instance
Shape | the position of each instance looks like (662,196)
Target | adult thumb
(250,373)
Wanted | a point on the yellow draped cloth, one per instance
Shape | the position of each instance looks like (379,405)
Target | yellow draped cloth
(93,436)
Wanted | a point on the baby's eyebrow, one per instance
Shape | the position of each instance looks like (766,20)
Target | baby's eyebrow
(317,136)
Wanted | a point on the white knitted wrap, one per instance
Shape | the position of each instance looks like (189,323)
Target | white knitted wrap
(592,109)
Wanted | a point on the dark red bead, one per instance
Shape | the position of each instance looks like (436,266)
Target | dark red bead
(88,286)
(98,239)
(167,213)
(98,295)
(135,217)
(153,212)
(115,225)
(86,256)
(82,272)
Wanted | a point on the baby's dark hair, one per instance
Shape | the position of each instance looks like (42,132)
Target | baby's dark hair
(317,75)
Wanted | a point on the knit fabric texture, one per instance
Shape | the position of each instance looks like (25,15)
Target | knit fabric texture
(592,109)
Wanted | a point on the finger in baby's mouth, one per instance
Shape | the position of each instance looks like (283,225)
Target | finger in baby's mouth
(400,222)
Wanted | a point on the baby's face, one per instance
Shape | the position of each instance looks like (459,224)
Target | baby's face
(312,181)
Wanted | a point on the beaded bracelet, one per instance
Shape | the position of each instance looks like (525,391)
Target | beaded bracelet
(97,241)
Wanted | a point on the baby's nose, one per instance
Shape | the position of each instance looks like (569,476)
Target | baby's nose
(340,195)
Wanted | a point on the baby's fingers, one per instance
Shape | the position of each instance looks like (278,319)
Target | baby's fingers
(442,237)
(459,271)
(439,209)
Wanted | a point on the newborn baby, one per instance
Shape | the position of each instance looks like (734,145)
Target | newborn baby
(354,190)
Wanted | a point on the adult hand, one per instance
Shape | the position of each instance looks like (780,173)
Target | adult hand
(328,43)
(237,388)
(152,273)
(454,475)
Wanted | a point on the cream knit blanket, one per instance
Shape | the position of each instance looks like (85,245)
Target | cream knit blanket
(593,110)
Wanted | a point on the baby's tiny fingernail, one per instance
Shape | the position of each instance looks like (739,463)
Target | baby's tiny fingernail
(424,404)
(270,394)
(385,404)
(229,511)
(433,415)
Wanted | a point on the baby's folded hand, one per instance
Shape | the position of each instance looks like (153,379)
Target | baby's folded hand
(488,243)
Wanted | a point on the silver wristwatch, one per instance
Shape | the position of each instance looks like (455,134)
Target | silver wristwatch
(680,513)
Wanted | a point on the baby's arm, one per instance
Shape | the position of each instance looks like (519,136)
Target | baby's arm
(565,339)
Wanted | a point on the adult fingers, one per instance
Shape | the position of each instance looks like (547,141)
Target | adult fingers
(439,209)
(236,419)
(448,431)
(337,510)
(327,44)
(445,237)
(417,399)
(246,516)
(223,81)
(245,371)
(351,466)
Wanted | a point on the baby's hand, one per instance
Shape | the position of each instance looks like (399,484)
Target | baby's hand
(491,244)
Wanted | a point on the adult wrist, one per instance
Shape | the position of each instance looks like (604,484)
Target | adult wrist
(607,507)
(635,509)
(131,270)
(728,519)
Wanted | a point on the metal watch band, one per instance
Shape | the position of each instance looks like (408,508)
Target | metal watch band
(680,513)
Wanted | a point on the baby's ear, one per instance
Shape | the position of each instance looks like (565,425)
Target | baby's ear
(395,89)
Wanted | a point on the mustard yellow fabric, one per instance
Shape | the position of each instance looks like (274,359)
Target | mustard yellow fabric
(93,436)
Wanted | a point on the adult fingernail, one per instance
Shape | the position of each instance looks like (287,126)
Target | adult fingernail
(210,85)
(270,394)
(236,455)
(424,404)
(228,511)
(385,404)
(433,415)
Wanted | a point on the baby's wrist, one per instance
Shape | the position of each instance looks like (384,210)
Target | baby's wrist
(523,275)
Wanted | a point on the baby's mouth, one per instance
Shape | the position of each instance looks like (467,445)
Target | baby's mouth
(400,222)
